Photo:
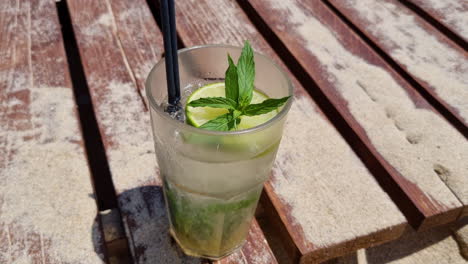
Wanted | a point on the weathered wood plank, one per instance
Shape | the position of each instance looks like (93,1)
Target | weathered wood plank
(445,244)
(437,245)
(435,62)
(116,78)
(311,153)
(124,126)
(394,122)
(453,14)
(46,212)
(139,38)
(439,65)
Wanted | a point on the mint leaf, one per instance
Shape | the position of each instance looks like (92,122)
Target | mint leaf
(221,123)
(239,90)
(264,107)
(231,85)
(215,102)
(246,75)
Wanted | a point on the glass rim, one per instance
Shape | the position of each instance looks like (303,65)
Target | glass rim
(184,126)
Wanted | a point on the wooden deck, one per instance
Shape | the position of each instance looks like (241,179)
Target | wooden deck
(296,168)
(381,107)
(451,14)
(374,156)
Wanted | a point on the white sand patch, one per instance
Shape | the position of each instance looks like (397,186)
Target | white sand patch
(454,13)
(131,157)
(444,68)
(46,182)
(307,175)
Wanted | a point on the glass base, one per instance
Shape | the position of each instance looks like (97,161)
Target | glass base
(193,252)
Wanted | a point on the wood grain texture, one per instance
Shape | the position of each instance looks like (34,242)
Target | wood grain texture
(311,153)
(139,38)
(394,122)
(119,43)
(433,60)
(47,214)
(453,14)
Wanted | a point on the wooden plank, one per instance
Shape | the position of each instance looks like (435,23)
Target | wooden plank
(393,121)
(453,14)
(437,63)
(139,38)
(133,44)
(46,212)
(124,126)
(307,158)
(438,245)
(445,244)
(433,60)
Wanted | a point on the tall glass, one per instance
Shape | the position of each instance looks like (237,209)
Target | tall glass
(212,180)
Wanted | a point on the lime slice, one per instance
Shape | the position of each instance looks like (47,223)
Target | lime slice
(197,116)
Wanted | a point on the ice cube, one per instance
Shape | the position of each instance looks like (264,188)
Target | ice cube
(175,111)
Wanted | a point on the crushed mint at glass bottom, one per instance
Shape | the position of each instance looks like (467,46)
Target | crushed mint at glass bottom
(208,226)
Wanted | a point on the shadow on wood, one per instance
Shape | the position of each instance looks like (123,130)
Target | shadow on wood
(432,246)
(97,238)
(151,229)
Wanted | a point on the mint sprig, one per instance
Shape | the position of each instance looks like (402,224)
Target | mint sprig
(239,87)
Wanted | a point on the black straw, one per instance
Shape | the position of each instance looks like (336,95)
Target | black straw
(175,64)
(170,47)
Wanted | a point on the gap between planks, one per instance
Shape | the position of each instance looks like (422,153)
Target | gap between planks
(438,19)
(114,237)
(100,173)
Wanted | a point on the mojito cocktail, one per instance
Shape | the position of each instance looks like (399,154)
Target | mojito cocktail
(214,163)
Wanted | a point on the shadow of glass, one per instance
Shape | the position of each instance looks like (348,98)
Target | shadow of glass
(97,237)
(143,212)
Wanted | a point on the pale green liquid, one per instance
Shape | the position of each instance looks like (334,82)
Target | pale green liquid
(211,204)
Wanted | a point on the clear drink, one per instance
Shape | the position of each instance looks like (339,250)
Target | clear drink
(212,180)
